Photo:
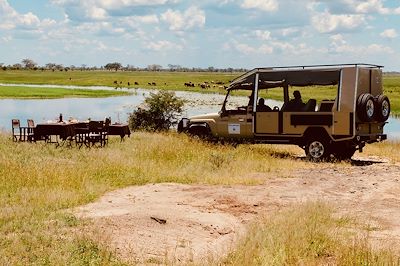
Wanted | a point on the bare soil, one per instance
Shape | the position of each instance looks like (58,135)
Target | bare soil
(200,223)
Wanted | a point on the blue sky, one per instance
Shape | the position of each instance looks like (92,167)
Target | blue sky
(219,33)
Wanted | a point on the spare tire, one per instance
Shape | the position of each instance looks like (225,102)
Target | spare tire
(366,107)
(382,108)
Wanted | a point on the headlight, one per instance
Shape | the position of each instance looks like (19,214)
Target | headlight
(185,122)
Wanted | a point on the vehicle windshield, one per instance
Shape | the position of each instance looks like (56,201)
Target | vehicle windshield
(237,99)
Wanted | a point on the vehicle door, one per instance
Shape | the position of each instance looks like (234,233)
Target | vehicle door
(267,120)
(236,118)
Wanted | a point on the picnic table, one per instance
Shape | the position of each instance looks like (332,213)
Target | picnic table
(119,130)
(66,132)
(61,130)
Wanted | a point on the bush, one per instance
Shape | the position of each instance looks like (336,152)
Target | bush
(161,111)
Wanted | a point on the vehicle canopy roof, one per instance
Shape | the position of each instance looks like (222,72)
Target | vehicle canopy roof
(301,76)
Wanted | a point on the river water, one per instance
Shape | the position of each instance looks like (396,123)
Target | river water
(118,108)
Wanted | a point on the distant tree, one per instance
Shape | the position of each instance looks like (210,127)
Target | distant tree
(50,66)
(130,67)
(174,67)
(83,67)
(154,67)
(59,67)
(28,63)
(16,66)
(113,66)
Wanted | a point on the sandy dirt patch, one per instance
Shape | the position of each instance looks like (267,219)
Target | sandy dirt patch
(201,223)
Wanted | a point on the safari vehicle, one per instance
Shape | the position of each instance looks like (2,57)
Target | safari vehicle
(355,113)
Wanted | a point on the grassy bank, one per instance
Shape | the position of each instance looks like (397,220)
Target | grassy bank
(173,81)
(39,181)
(308,234)
(49,93)
(162,80)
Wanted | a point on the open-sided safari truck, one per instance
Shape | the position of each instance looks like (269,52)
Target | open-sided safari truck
(344,109)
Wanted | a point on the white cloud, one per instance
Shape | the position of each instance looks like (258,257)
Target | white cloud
(96,13)
(327,23)
(338,39)
(340,45)
(137,21)
(11,19)
(368,6)
(289,31)
(354,6)
(117,4)
(247,49)
(262,35)
(159,46)
(389,33)
(178,21)
(264,5)
(101,28)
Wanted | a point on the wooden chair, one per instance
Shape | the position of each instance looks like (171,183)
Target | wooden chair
(16,130)
(97,134)
(30,133)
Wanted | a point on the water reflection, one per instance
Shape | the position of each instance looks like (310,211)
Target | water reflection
(42,110)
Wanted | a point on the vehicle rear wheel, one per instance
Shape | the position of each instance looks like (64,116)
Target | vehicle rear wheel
(345,154)
(317,149)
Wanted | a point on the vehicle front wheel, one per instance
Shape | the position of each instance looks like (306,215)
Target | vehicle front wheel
(317,149)
(200,133)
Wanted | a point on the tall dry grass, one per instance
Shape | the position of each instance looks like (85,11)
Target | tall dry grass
(386,149)
(308,234)
(38,180)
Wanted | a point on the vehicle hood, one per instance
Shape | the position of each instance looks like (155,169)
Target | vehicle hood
(204,117)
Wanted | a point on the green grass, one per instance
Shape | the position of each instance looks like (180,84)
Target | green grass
(48,93)
(174,81)
(308,234)
(163,80)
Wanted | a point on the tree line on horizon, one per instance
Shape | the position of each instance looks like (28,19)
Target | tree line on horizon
(29,64)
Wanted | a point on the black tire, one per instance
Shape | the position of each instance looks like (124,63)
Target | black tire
(317,149)
(366,107)
(382,108)
(200,133)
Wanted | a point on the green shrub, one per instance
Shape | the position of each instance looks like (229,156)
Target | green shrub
(160,112)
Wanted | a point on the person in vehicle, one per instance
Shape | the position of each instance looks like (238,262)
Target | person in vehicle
(295,104)
(261,106)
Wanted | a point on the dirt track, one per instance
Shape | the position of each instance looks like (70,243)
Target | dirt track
(204,221)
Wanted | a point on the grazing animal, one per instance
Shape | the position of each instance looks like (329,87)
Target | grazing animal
(149,83)
(189,84)
(115,82)
(154,84)
(129,84)
(136,83)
